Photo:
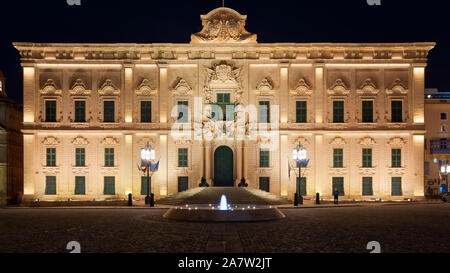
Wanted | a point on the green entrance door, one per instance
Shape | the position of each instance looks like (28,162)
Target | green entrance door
(223,167)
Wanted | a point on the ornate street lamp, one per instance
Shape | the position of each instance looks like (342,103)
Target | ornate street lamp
(299,154)
(445,170)
(147,157)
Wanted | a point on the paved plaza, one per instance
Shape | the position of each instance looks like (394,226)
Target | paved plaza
(398,228)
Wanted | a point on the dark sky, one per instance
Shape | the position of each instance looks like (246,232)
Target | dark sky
(101,21)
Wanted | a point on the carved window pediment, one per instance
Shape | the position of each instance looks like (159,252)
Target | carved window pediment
(181,87)
(143,141)
(338,88)
(110,141)
(338,141)
(108,88)
(265,87)
(302,88)
(301,140)
(397,142)
(79,88)
(397,87)
(367,87)
(367,141)
(50,140)
(80,141)
(50,88)
(145,89)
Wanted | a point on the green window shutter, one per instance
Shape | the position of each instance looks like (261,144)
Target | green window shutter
(80,111)
(338,183)
(367,186)
(396,161)
(109,157)
(144,185)
(183,183)
(183,115)
(367,111)
(50,185)
(264,184)
(367,157)
(80,185)
(301,185)
(80,157)
(338,111)
(182,157)
(264,158)
(396,111)
(300,111)
(264,112)
(109,185)
(146,111)
(50,111)
(396,186)
(108,111)
(51,157)
(338,158)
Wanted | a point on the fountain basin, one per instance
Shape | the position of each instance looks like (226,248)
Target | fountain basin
(234,213)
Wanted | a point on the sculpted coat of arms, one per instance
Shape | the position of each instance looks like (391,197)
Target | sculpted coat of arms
(222,76)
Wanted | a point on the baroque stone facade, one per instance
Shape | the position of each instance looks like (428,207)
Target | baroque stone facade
(223,65)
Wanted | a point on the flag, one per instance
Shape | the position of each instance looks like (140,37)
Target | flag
(154,167)
(289,169)
(304,163)
(142,169)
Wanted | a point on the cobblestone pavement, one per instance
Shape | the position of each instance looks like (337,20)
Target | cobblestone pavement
(398,228)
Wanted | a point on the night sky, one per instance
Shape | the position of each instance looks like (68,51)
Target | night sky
(172,21)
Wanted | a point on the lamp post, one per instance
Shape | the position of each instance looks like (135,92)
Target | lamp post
(299,154)
(445,170)
(147,156)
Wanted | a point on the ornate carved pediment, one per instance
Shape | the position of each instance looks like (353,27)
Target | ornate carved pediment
(222,76)
(396,171)
(79,140)
(397,142)
(183,141)
(337,171)
(338,88)
(223,25)
(265,84)
(181,87)
(109,140)
(143,141)
(397,87)
(108,88)
(145,89)
(367,171)
(79,88)
(50,88)
(367,141)
(367,87)
(301,140)
(302,88)
(50,140)
(338,141)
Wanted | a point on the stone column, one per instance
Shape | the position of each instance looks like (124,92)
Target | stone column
(284,178)
(245,161)
(320,98)
(163,166)
(208,162)
(238,162)
(418,93)
(284,93)
(127,167)
(163,94)
(29,153)
(128,94)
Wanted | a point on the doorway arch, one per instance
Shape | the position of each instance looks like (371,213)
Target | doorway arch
(223,167)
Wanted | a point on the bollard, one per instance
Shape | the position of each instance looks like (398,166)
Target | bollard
(295,199)
(152,200)
(317,198)
(130,200)
(300,199)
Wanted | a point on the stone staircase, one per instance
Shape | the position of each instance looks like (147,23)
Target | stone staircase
(211,195)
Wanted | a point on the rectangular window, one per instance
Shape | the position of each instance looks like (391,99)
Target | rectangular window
(301,185)
(109,157)
(182,157)
(144,184)
(80,185)
(338,111)
(443,116)
(264,158)
(182,109)
(264,184)
(50,185)
(50,111)
(396,186)
(108,111)
(367,157)
(264,112)
(80,111)
(338,158)
(396,161)
(367,186)
(396,111)
(109,185)
(223,104)
(300,111)
(146,111)
(338,183)
(80,157)
(367,111)
(51,157)
(183,183)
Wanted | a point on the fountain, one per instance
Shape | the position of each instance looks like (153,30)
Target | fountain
(223,212)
